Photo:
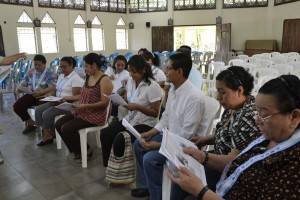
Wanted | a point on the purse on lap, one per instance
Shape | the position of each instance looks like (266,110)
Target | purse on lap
(121,169)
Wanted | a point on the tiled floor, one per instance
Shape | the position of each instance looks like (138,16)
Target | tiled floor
(37,173)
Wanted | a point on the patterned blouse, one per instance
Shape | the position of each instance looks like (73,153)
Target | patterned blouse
(236,130)
(275,177)
(49,79)
(89,95)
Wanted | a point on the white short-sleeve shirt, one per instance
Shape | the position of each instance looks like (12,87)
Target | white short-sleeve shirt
(120,78)
(144,95)
(158,74)
(65,84)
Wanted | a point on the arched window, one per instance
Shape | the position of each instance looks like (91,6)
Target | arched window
(79,35)
(26,34)
(48,35)
(97,35)
(121,35)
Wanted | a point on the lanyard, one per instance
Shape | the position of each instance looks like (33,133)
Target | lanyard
(34,87)
(225,184)
(62,83)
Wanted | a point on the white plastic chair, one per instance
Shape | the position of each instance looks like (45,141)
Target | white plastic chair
(243,57)
(236,62)
(259,72)
(249,67)
(296,65)
(293,54)
(57,136)
(83,137)
(275,53)
(264,63)
(278,60)
(283,68)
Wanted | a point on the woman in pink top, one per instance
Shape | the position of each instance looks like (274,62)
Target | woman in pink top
(91,109)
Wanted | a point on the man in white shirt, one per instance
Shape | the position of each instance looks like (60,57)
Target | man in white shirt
(183,116)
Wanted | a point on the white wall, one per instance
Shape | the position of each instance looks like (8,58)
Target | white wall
(247,23)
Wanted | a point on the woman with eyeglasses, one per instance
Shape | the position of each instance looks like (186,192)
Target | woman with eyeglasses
(268,168)
(119,75)
(68,87)
(237,126)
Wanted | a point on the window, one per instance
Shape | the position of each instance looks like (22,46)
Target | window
(26,39)
(80,36)
(80,39)
(18,2)
(278,2)
(48,35)
(118,6)
(49,40)
(244,3)
(121,35)
(97,35)
(26,34)
(147,5)
(194,5)
(71,4)
(121,39)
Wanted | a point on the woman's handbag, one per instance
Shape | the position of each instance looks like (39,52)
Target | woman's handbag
(121,169)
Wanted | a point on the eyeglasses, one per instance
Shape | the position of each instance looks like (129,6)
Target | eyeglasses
(169,67)
(263,119)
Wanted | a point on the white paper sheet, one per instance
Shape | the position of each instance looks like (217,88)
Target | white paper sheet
(66,106)
(117,99)
(51,98)
(172,149)
(132,130)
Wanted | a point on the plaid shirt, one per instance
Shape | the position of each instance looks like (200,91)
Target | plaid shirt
(236,129)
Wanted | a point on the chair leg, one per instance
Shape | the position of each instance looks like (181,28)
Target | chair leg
(83,145)
(58,140)
(97,133)
(1,102)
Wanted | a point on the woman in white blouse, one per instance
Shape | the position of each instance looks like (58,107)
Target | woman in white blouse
(143,97)
(119,75)
(68,87)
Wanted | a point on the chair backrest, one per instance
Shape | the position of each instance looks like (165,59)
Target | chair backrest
(249,67)
(275,53)
(278,60)
(211,69)
(259,72)
(293,54)
(265,63)
(236,62)
(211,108)
(243,57)
(283,68)
(295,64)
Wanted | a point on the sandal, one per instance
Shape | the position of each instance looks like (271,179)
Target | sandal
(89,155)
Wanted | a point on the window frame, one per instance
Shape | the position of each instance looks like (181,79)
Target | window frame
(30,3)
(245,5)
(63,5)
(108,7)
(284,2)
(194,7)
(138,10)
